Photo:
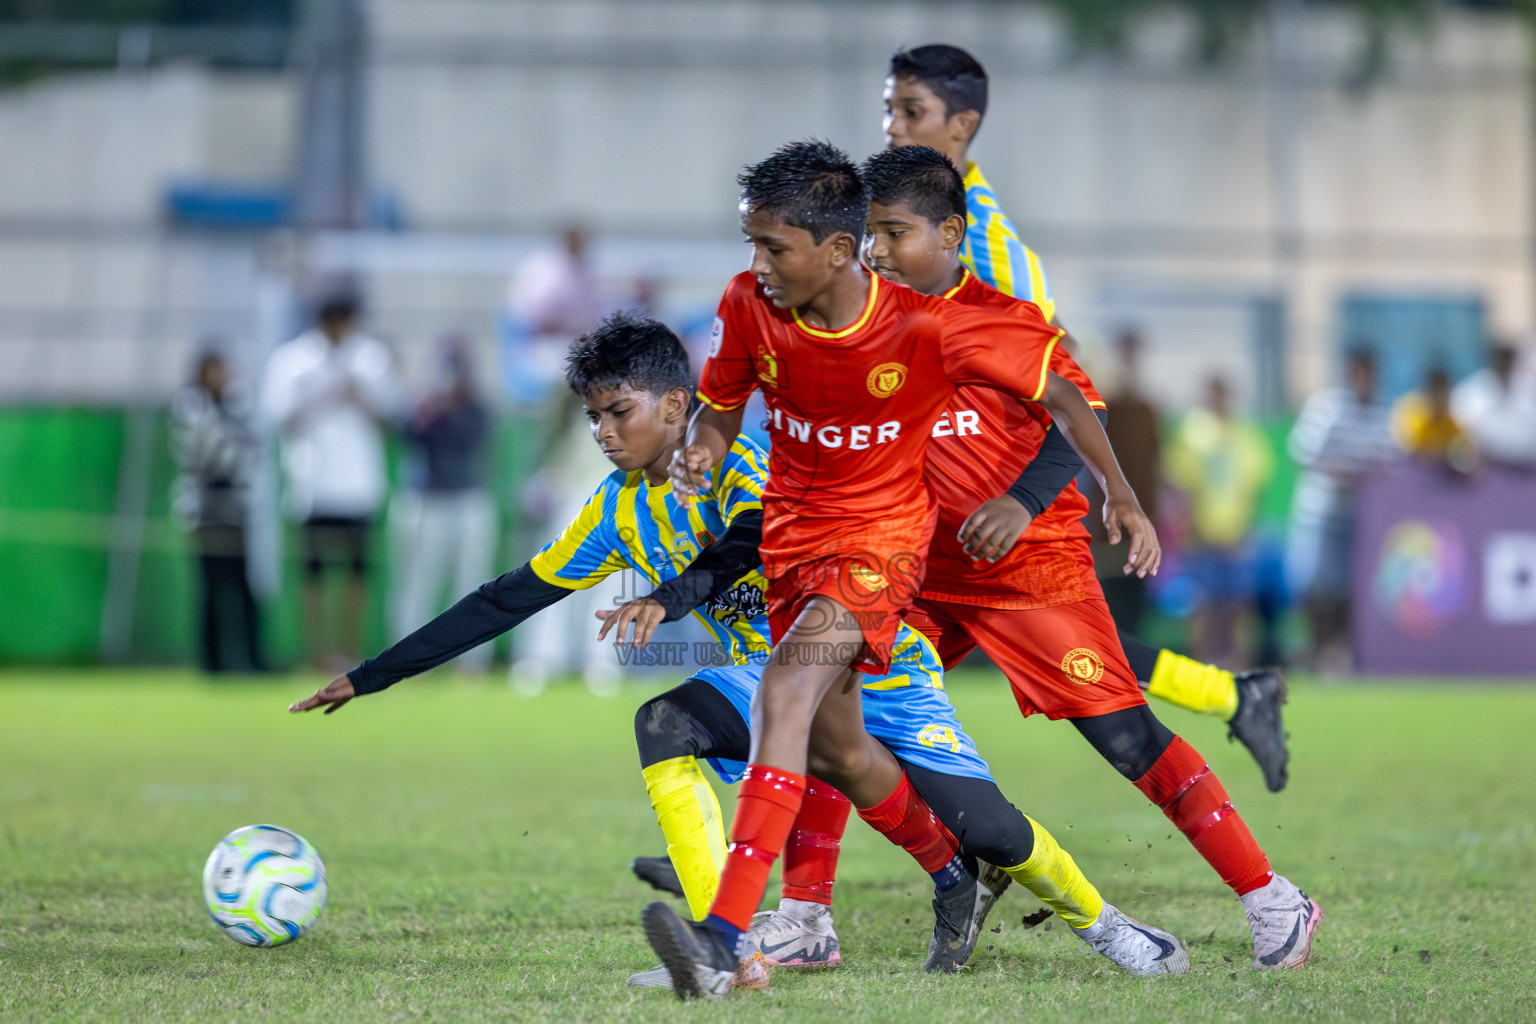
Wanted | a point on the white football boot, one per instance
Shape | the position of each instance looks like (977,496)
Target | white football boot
(696,957)
(1283,919)
(798,934)
(1134,947)
(656,977)
(752,973)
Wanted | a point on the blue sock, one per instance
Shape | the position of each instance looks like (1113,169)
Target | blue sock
(730,932)
(948,876)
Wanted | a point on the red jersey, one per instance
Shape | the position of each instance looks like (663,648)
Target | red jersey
(850,411)
(980,445)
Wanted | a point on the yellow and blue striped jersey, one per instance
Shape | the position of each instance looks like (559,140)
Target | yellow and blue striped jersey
(627,523)
(992,249)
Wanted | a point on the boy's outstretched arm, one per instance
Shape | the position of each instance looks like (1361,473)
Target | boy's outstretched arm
(484,614)
(723,561)
(1123,516)
(711,432)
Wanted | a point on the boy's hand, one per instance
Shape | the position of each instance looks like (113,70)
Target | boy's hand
(334,694)
(646,614)
(993,529)
(1123,517)
(687,469)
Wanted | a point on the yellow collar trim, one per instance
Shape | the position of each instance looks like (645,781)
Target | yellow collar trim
(965,275)
(869,308)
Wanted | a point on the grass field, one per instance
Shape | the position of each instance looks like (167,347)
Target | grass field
(477,846)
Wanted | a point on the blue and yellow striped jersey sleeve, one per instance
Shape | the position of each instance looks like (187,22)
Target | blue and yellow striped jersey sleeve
(588,550)
(993,251)
(743,472)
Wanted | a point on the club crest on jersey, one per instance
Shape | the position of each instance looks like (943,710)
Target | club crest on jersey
(886,379)
(1083,666)
(767,366)
(939,736)
(870,578)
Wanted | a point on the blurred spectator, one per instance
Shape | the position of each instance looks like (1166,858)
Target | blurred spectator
(216,451)
(1223,465)
(553,298)
(1422,424)
(1136,436)
(1341,435)
(1497,407)
(572,466)
(446,519)
(329,392)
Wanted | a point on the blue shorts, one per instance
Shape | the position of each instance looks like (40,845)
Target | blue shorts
(903,710)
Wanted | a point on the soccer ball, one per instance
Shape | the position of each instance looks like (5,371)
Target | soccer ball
(264,885)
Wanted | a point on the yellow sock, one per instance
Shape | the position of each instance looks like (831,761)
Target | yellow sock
(1051,874)
(1194,685)
(689,816)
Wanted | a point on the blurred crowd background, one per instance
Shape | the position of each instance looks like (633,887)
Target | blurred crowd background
(285,287)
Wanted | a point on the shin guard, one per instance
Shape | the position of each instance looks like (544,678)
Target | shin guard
(689,816)
(1053,876)
(810,854)
(906,820)
(1183,786)
(766,807)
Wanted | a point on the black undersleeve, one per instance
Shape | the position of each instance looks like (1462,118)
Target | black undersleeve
(722,563)
(1131,739)
(694,719)
(1143,658)
(483,614)
(977,814)
(1055,465)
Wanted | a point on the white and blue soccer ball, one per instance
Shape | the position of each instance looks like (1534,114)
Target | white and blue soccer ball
(264,885)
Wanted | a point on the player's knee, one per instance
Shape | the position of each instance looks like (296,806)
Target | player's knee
(837,765)
(788,701)
(664,729)
(1131,740)
(997,834)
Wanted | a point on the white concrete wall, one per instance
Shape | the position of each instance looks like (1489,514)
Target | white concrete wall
(1144,182)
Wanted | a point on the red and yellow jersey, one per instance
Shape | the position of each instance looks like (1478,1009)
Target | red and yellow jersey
(850,411)
(981,444)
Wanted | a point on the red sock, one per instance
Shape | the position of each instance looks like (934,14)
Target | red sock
(810,855)
(906,820)
(1182,784)
(765,810)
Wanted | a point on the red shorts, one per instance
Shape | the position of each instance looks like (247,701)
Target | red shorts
(874,591)
(1064,661)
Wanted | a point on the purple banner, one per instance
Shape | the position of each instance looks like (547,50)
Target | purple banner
(1444,573)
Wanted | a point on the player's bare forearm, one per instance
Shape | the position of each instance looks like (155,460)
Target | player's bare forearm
(1123,515)
(710,436)
(714,430)
(1075,419)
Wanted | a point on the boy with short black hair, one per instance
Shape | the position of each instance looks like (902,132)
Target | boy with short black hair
(854,376)
(936,96)
(1034,606)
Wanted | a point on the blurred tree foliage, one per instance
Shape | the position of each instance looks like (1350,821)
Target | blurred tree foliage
(41,37)
(149,12)
(1224,25)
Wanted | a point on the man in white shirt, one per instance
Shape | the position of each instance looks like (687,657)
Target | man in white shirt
(328,393)
(1497,407)
(1341,436)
